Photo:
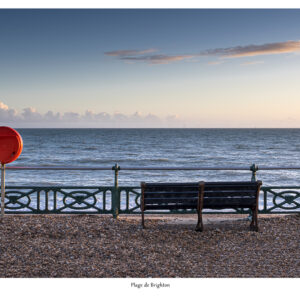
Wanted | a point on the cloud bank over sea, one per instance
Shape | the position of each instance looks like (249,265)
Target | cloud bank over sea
(30,117)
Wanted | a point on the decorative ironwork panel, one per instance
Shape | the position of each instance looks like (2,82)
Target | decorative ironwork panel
(59,200)
(278,199)
(130,199)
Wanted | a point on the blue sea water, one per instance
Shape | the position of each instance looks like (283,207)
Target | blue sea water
(159,148)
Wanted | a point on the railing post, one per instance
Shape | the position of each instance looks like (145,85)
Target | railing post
(2,190)
(253,168)
(115,193)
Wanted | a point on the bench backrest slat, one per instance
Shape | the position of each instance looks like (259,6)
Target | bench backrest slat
(169,206)
(191,202)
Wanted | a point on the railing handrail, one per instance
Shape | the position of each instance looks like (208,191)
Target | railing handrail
(153,168)
(56,168)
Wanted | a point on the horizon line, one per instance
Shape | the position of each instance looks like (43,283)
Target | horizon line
(156,127)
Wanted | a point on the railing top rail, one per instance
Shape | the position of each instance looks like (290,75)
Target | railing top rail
(153,168)
(57,168)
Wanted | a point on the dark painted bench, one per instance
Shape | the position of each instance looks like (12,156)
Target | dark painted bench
(216,195)
(226,195)
(171,196)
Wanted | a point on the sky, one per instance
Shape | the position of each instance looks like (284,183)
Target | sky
(150,68)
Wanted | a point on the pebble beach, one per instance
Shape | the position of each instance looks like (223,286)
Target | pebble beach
(97,246)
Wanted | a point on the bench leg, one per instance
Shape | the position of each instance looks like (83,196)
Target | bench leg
(143,220)
(199,226)
(255,221)
(252,219)
(254,225)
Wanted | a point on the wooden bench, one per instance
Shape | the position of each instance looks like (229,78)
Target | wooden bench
(208,195)
(171,196)
(226,195)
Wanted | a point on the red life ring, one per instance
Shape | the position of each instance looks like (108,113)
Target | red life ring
(11,144)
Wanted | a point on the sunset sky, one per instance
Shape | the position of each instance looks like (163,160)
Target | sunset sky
(150,68)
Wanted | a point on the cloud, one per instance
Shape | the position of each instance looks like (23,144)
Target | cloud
(156,59)
(3,106)
(71,117)
(50,116)
(29,117)
(131,56)
(90,116)
(7,114)
(254,50)
(117,116)
(31,114)
(129,52)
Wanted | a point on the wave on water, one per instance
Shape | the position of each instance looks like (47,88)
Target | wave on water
(125,160)
(90,148)
(157,159)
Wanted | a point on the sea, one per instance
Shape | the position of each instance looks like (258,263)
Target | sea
(155,148)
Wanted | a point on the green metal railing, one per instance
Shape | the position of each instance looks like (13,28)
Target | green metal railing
(117,199)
